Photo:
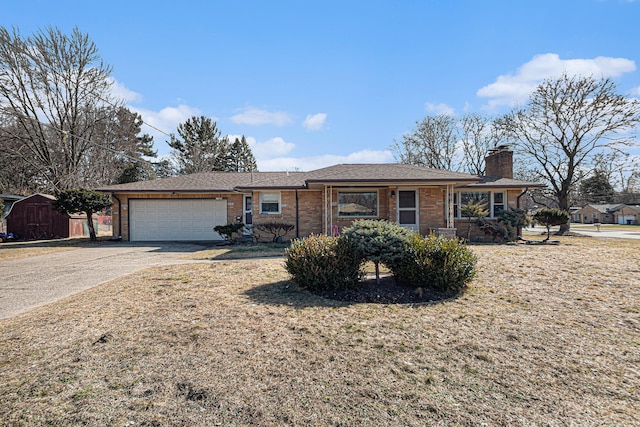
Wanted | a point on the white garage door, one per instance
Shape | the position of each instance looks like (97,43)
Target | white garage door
(171,220)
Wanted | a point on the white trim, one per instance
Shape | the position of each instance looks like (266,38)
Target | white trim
(279,194)
(416,208)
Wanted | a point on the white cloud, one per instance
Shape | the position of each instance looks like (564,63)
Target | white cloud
(166,120)
(511,89)
(439,109)
(315,121)
(254,116)
(317,162)
(268,149)
(120,91)
(635,91)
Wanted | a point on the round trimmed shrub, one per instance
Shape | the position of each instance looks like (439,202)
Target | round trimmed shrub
(436,262)
(379,241)
(321,262)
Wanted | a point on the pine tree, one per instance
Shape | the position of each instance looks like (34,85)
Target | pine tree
(202,148)
(241,158)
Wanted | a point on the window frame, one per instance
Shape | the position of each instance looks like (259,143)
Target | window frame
(363,191)
(262,202)
(457,197)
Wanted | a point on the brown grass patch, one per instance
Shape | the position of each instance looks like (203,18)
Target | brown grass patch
(240,251)
(545,335)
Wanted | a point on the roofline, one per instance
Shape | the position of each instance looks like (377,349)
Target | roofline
(391,181)
(106,190)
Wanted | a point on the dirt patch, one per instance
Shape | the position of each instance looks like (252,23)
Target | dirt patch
(545,335)
(386,292)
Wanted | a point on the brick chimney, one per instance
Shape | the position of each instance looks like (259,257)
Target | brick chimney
(499,162)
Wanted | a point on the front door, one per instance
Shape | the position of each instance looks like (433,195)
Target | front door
(247,212)
(408,209)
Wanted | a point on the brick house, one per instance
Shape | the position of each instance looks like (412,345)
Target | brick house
(320,201)
(628,214)
(594,214)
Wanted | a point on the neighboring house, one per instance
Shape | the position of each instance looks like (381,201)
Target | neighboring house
(34,218)
(321,201)
(594,214)
(628,214)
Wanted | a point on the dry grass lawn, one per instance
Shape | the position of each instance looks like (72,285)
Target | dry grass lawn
(545,335)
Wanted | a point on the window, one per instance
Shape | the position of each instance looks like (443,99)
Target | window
(358,204)
(498,204)
(269,203)
(464,198)
(493,203)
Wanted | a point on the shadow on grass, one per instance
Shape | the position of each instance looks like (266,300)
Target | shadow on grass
(368,292)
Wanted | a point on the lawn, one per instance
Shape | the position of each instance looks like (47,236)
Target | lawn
(545,335)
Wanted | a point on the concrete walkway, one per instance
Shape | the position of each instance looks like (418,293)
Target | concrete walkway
(29,282)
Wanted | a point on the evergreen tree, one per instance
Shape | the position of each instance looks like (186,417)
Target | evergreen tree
(202,147)
(597,189)
(241,158)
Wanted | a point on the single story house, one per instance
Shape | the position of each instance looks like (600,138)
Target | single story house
(628,214)
(597,213)
(320,201)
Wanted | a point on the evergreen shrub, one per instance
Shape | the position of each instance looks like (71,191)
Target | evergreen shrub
(436,262)
(321,262)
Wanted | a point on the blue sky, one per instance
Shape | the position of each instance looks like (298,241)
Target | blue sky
(315,83)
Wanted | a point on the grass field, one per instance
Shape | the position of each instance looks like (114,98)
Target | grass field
(545,335)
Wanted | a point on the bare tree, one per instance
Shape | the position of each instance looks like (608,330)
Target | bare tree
(478,135)
(53,89)
(431,144)
(566,122)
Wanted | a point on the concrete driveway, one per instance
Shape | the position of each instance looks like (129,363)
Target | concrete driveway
(29,282)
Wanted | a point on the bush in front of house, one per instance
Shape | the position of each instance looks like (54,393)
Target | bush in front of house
(514,220)
(227,231)
(436,262)
(277,229)
(321,262)
(379,241)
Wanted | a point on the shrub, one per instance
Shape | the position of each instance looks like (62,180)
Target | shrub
(550,217)
(321,262)
(514,220)
(226,231)
(379,241)
(277,229)
(436,262)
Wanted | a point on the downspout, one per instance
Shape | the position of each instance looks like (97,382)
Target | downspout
(119,216)
(297,217)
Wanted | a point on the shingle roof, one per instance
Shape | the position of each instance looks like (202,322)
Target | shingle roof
(207,182)
(385,172)
(496,181)
(344,173)
(606,207)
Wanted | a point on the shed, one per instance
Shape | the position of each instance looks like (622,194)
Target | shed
(34,218)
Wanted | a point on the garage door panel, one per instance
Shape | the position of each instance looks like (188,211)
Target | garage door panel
(186,220)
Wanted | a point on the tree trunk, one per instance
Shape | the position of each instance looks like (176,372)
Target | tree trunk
(377,264)
(92,230)
(563,204)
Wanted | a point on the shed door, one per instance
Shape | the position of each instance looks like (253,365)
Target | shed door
(176,220)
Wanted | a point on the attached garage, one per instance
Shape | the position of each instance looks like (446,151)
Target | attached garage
(176,219)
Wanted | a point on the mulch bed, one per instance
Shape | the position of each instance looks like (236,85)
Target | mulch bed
(387,292)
